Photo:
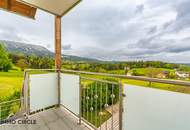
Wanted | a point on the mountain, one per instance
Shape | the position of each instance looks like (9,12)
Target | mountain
(79,59)
(188,64)
(28,49)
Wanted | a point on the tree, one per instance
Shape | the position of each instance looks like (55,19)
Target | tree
(36,62)
(22,64)
(5,62)
(134,72)
(153,72)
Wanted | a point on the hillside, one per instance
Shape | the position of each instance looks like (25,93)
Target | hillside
(28,49)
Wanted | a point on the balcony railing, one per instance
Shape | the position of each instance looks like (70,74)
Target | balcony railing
(8,109)
(98,101)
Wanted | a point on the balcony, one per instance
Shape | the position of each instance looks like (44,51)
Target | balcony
(86,100)
(64,100)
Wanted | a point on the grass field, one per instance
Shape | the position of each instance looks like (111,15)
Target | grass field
(9,82)
(143,71)
(95,118)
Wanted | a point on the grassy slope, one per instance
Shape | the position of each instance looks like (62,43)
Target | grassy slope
(9,82)
(143,71)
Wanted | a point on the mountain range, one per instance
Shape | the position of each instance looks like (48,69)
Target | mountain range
(29,49)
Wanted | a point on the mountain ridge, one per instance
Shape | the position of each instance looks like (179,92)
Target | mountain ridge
(29,49)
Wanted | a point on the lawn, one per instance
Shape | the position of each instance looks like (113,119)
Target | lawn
(143,71)
(116,71)
(96,118)
(9,82)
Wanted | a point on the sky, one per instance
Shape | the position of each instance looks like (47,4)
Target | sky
(123,30)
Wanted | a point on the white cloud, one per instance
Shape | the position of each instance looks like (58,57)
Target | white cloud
(111,30)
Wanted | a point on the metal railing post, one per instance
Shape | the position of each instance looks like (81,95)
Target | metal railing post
(80,96)
(120,105)
(26,98)
(59,87)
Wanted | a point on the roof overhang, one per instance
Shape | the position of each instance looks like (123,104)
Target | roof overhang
(18,8)
(56,7)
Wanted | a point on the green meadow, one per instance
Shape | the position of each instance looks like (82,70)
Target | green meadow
(10,82)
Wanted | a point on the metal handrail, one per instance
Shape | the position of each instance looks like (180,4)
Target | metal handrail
(6,107)
(99,80)
(6,102)
(141,78)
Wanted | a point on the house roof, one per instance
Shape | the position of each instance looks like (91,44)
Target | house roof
(18,8)
(56,7)
(182,72)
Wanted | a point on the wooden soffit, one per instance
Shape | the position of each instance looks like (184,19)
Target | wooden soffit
(56,7)
(18,8)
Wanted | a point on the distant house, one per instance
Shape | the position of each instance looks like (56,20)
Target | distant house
(164,74)
(129,74)
(161,75)
(182,74)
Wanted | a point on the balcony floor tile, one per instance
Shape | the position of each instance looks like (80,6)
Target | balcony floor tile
(52,119)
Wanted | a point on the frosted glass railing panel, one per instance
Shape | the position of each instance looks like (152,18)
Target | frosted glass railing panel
(153,109)
(70,92)
(43,91)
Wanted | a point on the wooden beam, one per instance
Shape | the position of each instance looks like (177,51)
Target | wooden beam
(18,8)
(58,42)
(58,55)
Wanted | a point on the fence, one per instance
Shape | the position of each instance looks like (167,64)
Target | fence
(100,104)
(100,100)
(9,109)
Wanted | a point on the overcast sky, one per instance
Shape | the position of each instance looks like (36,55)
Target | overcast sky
(111,30)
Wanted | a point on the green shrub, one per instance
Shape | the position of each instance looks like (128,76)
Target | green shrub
(5,62)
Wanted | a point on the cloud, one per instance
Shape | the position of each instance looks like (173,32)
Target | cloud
(139,8)
(110,30)
(101,26)
(152,30)
(183,16)
(7,33)
(17,28)
(167,24)
(66,47)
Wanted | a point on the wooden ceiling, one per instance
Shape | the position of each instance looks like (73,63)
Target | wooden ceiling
(55,7)
(18,8)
